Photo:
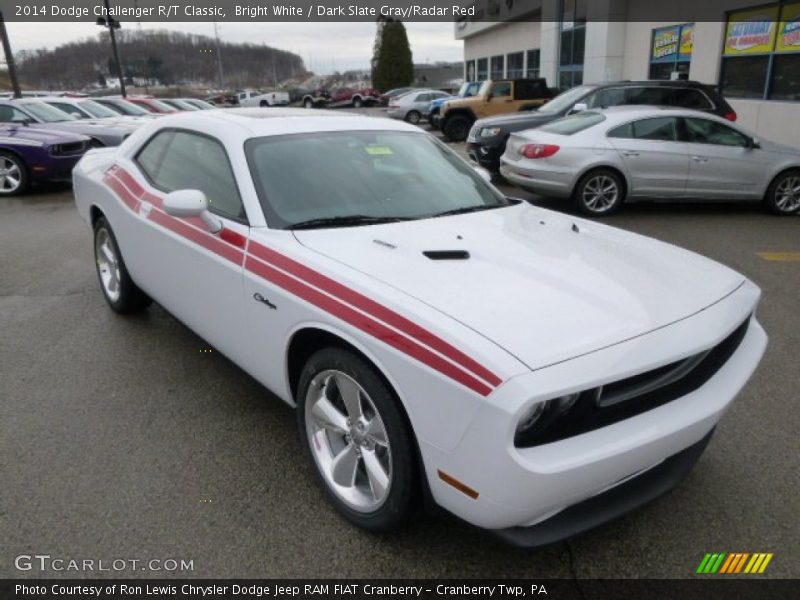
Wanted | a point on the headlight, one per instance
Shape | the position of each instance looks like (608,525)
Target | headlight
(490,131)
(542,419)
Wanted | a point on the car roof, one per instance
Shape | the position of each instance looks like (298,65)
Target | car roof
(257,122)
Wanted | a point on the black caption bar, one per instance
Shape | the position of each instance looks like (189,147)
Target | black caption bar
(457,11)
(425,589)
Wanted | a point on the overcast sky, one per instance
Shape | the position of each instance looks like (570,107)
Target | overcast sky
(324,47)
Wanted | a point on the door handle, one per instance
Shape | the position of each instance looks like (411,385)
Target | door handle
(630,153)
(700,159)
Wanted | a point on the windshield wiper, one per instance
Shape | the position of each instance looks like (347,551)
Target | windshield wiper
(344,221)
(467,209)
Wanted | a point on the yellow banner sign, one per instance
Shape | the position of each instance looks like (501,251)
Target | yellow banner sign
(751,31)
(789,29)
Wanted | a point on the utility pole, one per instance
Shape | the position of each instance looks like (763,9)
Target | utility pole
(12,69)
(113,24)
(219,60)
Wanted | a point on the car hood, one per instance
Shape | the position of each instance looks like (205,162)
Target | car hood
(38,135)
(86,127)
(543,286)
(518,121)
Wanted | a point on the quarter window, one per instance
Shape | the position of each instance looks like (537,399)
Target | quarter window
(501,89)
(178,160)
(703,131)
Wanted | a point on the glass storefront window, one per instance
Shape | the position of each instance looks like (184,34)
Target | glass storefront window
(483,69)
(533,64)
(761,55)
(496,67)
(514,65)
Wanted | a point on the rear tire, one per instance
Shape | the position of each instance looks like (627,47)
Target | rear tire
(354,432)
(413,117)
(599,193)
(14,179)
(308,103)
(358,103)
(783,194)
(119,290)
(456,128)
(263,104)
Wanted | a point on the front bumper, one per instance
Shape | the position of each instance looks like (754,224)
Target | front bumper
(609,505)
(486,155)
(541,486)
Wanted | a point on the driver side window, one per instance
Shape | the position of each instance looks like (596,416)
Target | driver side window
(501,89)
(703,131)
(10,114)
(179,160)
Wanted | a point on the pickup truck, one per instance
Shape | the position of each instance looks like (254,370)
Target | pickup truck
(258,98)
(493,98)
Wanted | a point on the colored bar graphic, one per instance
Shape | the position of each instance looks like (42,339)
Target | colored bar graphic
(734,562)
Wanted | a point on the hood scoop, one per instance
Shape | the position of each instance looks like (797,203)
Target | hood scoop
(446,254)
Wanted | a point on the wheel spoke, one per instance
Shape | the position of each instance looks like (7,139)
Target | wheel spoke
(378,478)
(351,396)
(344,466)
(329,417)
(376,432)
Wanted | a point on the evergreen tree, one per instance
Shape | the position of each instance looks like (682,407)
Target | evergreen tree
(393,64)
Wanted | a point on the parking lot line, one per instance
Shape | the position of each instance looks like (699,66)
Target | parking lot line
(780,256)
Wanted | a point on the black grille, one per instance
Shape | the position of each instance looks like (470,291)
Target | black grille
(68,148)
(634,395)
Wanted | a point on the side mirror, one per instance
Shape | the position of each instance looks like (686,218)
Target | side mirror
(191,203)
(755,144)
(579,107)
(485,175)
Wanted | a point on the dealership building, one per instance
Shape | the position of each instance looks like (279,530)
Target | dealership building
(751,52)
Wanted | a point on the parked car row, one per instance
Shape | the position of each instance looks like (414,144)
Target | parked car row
(42,137)
(602,146)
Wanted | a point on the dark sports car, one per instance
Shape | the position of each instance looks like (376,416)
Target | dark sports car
(30,154)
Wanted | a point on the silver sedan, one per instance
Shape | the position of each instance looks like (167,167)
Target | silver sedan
(602,158)
(410,107)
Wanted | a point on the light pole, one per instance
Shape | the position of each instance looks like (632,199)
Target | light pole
(219,60)
(12,69)
(113,24)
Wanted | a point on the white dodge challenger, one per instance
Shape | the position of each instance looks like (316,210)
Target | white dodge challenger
(533,373)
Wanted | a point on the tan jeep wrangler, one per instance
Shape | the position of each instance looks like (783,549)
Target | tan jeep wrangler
(494,98)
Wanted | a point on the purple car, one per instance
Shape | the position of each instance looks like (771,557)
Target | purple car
(29,154)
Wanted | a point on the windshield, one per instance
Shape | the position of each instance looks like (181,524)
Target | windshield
(566,100)
(128,108)
(46,113)
(162,106)
(469,89)
(97,110)
(373,174)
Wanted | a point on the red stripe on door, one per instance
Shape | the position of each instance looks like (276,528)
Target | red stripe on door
(366,324)
(378,310)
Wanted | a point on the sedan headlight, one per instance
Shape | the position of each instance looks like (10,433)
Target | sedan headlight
(490,131)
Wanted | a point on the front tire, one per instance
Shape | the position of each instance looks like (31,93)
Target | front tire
(119,290)
(14,178)
(599,193)
(309,103)
(358,103)
(456,128)
(783,194)
(358,440)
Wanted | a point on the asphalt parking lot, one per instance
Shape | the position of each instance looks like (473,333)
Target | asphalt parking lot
(131,438)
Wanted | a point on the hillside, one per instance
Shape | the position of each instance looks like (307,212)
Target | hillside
(171,57)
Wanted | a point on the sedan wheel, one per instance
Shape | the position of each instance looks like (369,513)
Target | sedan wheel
(783,196)
(413,117)
(358,439)
(309,103)
(13,176)
(599,193)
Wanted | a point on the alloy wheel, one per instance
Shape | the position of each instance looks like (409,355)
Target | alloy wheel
(107,264)
(787,194)
(348,440)
(600,193)
(10,175)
